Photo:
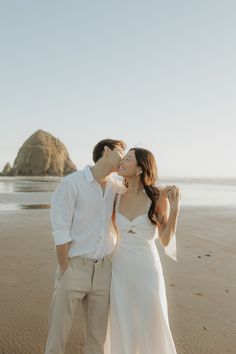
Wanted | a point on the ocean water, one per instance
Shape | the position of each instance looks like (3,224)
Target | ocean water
(20,193)
(206,192)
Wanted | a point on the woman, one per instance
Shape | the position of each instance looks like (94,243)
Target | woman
(138,310)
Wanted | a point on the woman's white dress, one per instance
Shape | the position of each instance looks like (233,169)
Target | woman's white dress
(138,320)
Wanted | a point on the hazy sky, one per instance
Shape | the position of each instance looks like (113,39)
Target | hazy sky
(158,74)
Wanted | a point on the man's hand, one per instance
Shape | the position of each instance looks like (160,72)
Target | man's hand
(63,267)
(62,257)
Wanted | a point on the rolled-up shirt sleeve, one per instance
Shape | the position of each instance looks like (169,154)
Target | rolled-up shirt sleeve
(62,211)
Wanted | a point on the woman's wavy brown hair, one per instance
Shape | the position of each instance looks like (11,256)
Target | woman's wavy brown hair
(149,176)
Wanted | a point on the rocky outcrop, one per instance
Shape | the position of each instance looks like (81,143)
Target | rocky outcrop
(42,155)
(6,170)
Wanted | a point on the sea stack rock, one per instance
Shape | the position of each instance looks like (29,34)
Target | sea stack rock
(42,155)
(7,169)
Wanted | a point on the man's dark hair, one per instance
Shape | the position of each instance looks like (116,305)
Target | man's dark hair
(99,147)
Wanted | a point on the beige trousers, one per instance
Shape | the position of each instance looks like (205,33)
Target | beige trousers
(84,278)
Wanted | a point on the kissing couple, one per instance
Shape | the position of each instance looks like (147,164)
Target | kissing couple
(105,231)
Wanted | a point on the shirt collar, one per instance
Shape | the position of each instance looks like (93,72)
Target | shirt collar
(88,174)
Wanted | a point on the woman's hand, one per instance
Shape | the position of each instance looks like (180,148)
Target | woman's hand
(173,195)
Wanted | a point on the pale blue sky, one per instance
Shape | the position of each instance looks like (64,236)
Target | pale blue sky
(158,74)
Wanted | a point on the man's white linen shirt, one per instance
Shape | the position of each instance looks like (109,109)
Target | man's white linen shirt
(81,214)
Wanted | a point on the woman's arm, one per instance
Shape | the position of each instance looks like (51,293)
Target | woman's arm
(168,205)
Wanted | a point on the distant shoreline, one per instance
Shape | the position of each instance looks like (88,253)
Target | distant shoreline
(206,180)
(192,180)
(31,177)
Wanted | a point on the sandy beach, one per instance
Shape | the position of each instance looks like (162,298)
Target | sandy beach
(201,286)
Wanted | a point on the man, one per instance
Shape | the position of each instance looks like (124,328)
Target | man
(81,213)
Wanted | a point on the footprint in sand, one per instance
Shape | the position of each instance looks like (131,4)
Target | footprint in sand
(206,328)
(205,255)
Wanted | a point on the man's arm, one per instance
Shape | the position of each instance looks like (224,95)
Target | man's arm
(62,256)
(62,211)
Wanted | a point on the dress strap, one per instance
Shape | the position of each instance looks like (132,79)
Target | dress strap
(117,202)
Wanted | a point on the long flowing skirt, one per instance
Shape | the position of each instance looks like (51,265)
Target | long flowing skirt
(138,321)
